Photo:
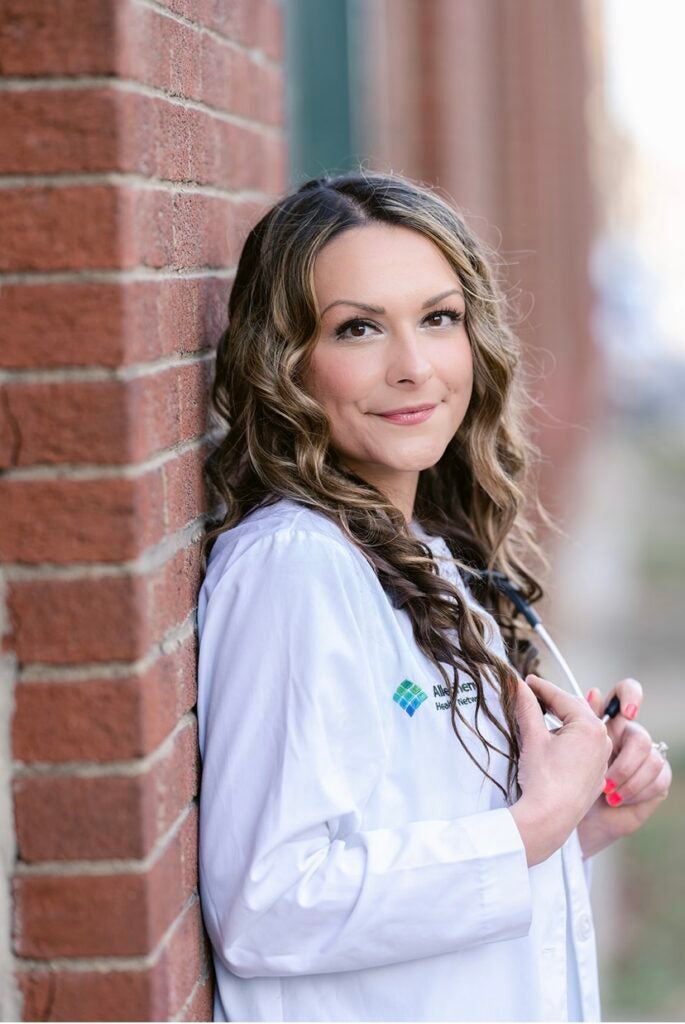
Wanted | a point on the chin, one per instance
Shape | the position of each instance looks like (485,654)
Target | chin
(413,466)
(423,460)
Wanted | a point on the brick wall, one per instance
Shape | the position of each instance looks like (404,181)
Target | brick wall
(141,141)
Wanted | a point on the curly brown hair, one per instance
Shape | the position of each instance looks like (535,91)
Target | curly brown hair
(277,444)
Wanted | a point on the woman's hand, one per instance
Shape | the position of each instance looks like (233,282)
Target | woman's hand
(638,777)
(561,773)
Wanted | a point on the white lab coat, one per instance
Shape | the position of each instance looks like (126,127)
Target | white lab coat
(354,863)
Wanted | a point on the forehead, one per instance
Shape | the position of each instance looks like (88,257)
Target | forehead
(380,258)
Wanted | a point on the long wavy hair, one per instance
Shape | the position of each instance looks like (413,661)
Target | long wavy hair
(277,441)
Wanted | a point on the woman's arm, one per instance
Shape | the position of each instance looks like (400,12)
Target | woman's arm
(293,747)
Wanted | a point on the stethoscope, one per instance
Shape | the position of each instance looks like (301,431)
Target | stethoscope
(503,583)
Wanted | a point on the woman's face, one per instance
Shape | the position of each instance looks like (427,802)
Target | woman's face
(407,351)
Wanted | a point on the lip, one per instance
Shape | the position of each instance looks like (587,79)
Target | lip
(412,414)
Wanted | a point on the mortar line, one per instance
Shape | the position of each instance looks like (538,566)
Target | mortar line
(138,181)
(179,1015)
(131,85)
(128,372)
(104,471)
(116,275)
(153,558)
(43,672)
(112,866)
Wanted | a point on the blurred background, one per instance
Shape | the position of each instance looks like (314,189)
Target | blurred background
(141,141)
(557,129)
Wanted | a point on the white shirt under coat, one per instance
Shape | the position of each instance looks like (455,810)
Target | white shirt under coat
(354,862)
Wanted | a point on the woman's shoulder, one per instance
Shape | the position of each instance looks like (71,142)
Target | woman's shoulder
(284,532)
(284,518)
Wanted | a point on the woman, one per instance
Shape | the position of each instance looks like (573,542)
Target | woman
(388,829)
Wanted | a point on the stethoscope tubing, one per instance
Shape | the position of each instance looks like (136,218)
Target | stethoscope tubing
(503,583)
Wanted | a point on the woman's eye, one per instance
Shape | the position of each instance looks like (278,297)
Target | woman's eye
(452,314)
(350,325)
(347,329)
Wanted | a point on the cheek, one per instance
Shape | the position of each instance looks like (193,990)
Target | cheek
(339,378)
(468,373)
(455,368)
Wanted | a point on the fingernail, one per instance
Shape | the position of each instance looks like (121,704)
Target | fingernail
(630,710)
(609,784)
(614,799)
(589,694)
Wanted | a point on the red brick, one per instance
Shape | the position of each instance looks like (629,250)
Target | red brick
(102,520)
(163,52)
(79,520)
(99,226)
(110,324)
(56,994)
(82,619)
(59,130)
(103,719)
(59,229)
(167,140)
(172,591)
(72,817)
(271,33)
(157,992)
(185,958)
(105,915)
(255,25)
(109,129)
(105,618)
(178,229)
(40,37)
(109,422)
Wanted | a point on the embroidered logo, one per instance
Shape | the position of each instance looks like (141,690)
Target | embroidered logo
(409,696)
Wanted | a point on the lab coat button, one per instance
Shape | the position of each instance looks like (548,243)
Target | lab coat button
(584,927)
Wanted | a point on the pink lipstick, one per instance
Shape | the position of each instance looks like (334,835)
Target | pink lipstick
(409,416)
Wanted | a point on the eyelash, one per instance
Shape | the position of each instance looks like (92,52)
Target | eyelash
(457,317)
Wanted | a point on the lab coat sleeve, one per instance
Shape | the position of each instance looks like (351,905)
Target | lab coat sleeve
(292,747)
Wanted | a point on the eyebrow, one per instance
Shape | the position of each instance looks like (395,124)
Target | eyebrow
(381,310)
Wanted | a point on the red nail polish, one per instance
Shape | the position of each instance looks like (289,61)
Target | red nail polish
(614,799)
(589,694)
(630,710)
(609,784)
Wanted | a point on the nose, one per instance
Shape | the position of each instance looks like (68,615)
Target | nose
(407,359)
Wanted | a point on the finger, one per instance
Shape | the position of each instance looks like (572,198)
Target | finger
(644,776)
(657,789)
(634,750)
(594,699)
(565,706)
(529,714)
(629,693)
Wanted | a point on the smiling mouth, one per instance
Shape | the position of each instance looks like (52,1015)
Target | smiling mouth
(408,417)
